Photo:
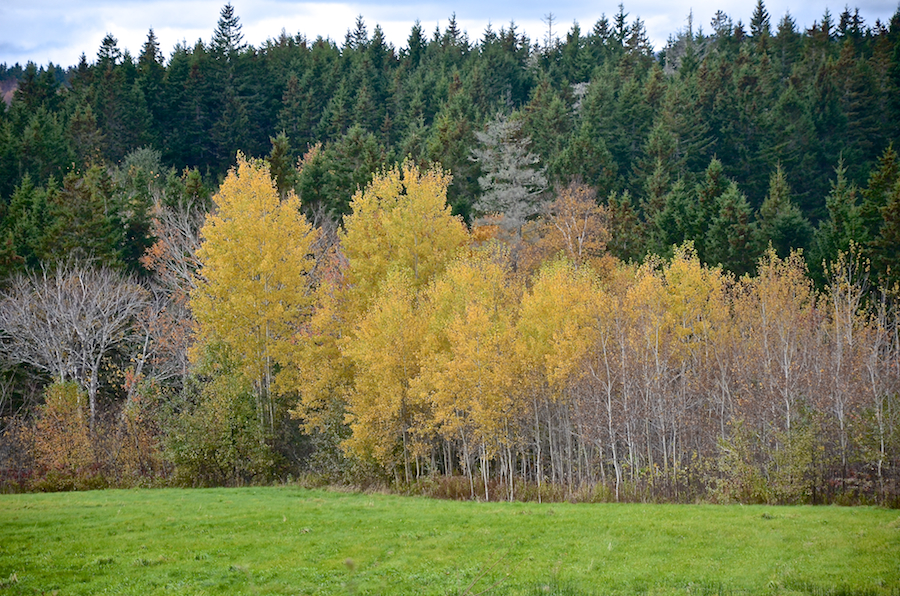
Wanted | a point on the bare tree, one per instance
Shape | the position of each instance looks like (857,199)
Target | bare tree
(69,320)
(512,186)
(173,257)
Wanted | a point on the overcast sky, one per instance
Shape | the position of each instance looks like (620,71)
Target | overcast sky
(61,30)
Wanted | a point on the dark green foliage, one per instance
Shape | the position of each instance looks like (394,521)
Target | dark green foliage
(283,171)
(330,176)
(751,98)
(781,223)
(82,224)
(626,239)
(844,224)
(759,22)
(731,239)
(676,222)
(886,256)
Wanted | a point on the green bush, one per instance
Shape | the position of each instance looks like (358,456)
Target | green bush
(218,438)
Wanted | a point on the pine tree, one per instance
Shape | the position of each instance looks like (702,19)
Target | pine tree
(844,225)
(759,22)
(227,39)
(151,81)
(281,164)
(676,222)
(626,239)
(706,205)
(884,247)
(546,121)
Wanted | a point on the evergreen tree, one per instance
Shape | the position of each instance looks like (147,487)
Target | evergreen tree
(875,197)
(151,80)
(844,225)
(81,222)
(706,204)
(450,144)
(27,223)
(546,121)
(786,43)
(781,224)
(884,247)
(731,240)
(759,22)
(280,164)
(626,239)
(227,40)
(676,222)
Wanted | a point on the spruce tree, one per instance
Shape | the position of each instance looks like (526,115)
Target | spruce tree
(781,223)
(511,185)
(759,22)
(731,240)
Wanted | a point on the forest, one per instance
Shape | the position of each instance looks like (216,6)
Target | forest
(495,268)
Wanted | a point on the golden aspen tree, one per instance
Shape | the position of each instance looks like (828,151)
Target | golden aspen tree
(774,313)
(555,314)
(553,340)
(845,329)
(382,412)
(468,372)
(609,364)
(400,220)
(694,298)
(253,289)
(400,225)
(651,342)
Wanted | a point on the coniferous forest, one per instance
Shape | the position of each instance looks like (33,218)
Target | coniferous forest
(480,267)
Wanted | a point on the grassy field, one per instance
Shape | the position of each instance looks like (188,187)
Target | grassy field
(286,540)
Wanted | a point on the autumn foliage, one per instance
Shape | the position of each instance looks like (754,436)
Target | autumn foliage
(410,351)
(670,379)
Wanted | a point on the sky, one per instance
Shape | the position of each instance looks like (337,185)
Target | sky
(59,31)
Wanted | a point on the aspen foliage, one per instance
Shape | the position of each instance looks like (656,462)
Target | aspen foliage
(556,320)
(255,258)
(398,238)
(775,314)
(381,410)
(400,220)
(467,373)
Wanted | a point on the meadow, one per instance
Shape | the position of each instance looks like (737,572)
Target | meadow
(290,540)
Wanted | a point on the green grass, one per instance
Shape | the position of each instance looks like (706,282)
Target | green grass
(286,540)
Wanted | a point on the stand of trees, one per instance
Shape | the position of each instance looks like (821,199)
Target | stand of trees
(663,275)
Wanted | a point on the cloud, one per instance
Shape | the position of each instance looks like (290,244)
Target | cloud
(54,30)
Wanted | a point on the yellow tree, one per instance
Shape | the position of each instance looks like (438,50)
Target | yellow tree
(775,313)
(695,308)
(401,220)
(552,342)
(382,412)
(253,290)
(400,225)
(467,369)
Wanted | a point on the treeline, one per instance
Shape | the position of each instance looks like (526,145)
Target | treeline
(599,106)
(497,362)
(607,298)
